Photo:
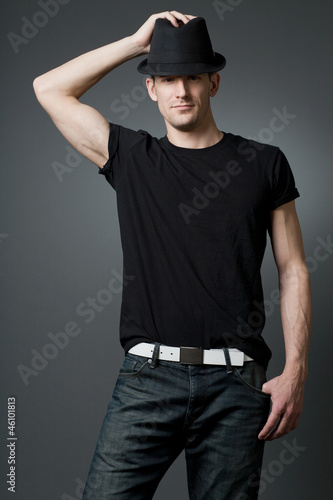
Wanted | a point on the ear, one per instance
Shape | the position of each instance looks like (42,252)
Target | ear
(214,84)
(151,89)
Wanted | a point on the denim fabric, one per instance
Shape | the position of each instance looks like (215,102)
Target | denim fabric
(212,412)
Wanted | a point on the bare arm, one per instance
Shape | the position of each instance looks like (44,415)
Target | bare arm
(287,390)
(59,90)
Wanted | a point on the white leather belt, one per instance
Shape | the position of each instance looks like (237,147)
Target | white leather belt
(191,355)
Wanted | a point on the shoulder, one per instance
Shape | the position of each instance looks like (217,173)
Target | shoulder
(251,150)
(125,133)
(125,139)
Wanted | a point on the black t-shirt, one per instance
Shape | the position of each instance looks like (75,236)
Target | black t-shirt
(193,225)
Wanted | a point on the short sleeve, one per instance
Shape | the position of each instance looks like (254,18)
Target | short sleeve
(282,182)
(121,141)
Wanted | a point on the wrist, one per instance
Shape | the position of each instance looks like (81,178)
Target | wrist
(137,46)
(296,369)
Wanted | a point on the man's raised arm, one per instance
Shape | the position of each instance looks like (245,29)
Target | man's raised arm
(59,90)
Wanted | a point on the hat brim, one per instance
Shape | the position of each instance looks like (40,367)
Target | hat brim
(180,69)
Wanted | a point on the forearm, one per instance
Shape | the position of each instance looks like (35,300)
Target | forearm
(77,76)
(287,390)
(296,315)
(59,90)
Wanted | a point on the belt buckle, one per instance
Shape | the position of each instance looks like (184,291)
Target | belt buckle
(191,356)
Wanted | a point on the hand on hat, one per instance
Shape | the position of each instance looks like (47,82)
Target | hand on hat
(143,36)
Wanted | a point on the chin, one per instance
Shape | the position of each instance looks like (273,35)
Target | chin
(185,126)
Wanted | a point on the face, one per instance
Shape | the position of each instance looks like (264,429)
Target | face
(184,101)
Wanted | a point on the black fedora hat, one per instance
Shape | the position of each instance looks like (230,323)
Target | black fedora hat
(186,50)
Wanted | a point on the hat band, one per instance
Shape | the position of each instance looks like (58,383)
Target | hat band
(203,56)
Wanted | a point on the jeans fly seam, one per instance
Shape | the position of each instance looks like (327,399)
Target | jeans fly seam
(188,417)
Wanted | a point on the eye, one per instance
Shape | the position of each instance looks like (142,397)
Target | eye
(194,77)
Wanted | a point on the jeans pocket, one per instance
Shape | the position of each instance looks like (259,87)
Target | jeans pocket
(133,365)
(252,375)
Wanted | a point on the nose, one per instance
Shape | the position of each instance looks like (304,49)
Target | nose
(181,88)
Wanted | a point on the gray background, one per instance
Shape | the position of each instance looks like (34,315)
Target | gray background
(59,241)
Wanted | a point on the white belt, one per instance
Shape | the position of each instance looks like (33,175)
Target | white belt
(191,355)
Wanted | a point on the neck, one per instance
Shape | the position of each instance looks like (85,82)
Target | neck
(198,138)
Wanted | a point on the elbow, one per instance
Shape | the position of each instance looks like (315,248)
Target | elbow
(294,270)
(303,270)
(39,86)
(44,91)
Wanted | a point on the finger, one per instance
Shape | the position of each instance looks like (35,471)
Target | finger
(272,422)
(178,16)
(286,425)
(185,17)
(278,431)
(165,15)
(189,18)
(266,387)
(283,427)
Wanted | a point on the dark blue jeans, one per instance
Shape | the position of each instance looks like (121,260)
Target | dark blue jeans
(158,409)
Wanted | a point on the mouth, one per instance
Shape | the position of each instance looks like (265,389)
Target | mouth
(183,107)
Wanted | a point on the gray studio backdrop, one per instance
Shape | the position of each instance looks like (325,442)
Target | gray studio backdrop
(59,238)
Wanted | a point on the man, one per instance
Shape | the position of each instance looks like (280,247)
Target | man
(194,208)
